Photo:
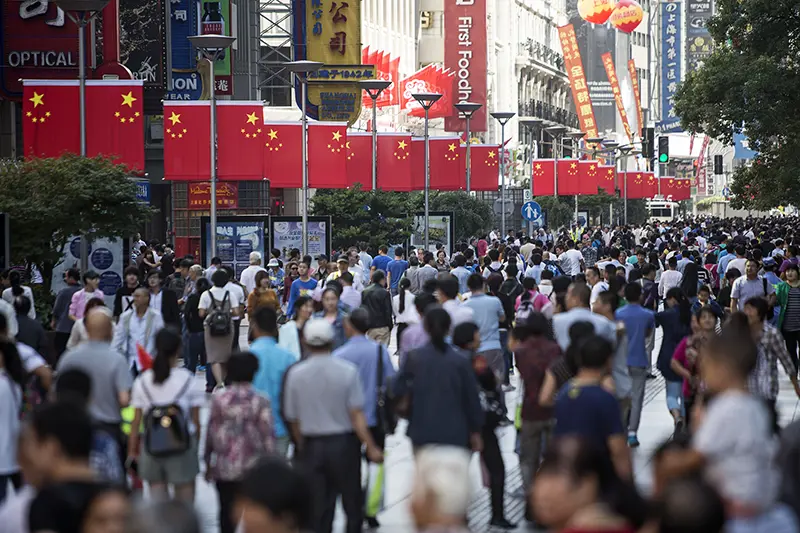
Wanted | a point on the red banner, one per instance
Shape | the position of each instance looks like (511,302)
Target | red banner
(588,177)
(485,164)
(447,164)
(605,178)
(115,121)
(240,140)
(465,54)
(577,80)
(359,160)
(700,171)
(611,72)
(395,163)
(637,94)
(676,189)
(544,177)
(227,195)
(187,141)
(50,118)
(283,155)
(568,177)
(431,79)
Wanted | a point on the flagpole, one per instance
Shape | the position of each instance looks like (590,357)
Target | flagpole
(465,111)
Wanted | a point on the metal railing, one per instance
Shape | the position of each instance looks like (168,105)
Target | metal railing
(545,111)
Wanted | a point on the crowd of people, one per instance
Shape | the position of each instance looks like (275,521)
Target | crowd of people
(551,334)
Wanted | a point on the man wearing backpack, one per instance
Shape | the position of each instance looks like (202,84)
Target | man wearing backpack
(137,330)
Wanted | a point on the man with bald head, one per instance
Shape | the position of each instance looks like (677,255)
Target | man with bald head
(138,328)
(111,379)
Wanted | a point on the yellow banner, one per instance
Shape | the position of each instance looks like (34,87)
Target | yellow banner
(611,72)
(636,94)
(577,80)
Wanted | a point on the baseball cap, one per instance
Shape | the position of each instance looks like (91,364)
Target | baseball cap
(342,258)
(318,332)
(770,262)
(273,263)
(322,257)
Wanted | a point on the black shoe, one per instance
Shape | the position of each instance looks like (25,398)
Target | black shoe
(680,427)
(650,375)
(502,523)
(372,522)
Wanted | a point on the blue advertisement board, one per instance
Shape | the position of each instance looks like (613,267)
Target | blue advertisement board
(143,192)
(235,241)
(741,147)
(671,59)
(187,83)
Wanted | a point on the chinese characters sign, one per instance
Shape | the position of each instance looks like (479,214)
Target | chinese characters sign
(216,19)
(671,29)
(187,82)
(698,40)
(227,195)
(235,241)
(637,94)
(577,80)
(611,72)
(329,31)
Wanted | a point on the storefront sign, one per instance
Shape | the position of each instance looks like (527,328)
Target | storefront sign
(699,44)
(671,52)
(227,195)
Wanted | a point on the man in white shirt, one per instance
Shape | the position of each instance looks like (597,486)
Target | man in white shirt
(597,283)
(740,263)
(137,327)
(571,260)
(526,248)
(669,278)
(447,293)
(248,277)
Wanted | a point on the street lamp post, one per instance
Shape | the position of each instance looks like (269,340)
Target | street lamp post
(301,70)
(374,89)
(576,136)
(609,144)
(465,112)
(212,46)
(532,124)
(81,12)
(426,100)
(503,117)
(625,150)
(555,133)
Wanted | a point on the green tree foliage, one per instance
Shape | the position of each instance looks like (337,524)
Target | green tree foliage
(473,217)
(51,200)
(561,210)
(750,82)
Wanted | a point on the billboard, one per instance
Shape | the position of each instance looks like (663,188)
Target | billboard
(441,230)
(577,80)
(215,18)
(187,81)
(465,54)
(699,44)
(105,257)
(671,58)
(143,41)
(287,233)
(236,238)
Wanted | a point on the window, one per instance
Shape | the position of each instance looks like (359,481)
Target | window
(253,195)
(180,193)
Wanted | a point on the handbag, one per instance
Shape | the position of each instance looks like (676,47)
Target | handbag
(387,418)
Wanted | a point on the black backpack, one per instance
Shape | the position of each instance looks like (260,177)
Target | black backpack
(166,427)
(219,318)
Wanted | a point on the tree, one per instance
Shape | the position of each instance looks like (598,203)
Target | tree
(51,200)
(749,83)
(473,217)
(561,209)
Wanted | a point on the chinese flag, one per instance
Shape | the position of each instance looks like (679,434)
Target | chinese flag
(683,189)
(636,187)
(283,155)
(50,118)
(485,163)
(544,177)
(240,140)
(385,74)
(667,187)
(187,141)
(650,185)
(605,178)
(327,156)
(568,177)
(395,163)
(115,121)
(447,164)
(359,160)
(145,359)
(588,177)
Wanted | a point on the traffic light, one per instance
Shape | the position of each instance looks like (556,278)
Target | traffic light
(663,150)
(648,137)
(717,165)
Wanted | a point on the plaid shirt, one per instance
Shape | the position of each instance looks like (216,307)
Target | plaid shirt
(763,380)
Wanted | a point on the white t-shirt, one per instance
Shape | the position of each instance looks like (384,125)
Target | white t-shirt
(31,360)
(248,277)
(571,262)
(8,296)
(234,297)
(740,264)
(236,289)
(14,510)
(10,405)
(167,393)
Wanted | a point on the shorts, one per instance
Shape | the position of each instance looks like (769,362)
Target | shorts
(179,469)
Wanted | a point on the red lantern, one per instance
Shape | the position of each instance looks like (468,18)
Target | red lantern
(627,16)
(595,11)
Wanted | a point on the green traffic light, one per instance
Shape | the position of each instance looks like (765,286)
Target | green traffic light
(663,158)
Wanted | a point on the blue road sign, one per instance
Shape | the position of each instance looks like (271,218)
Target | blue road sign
(531,211)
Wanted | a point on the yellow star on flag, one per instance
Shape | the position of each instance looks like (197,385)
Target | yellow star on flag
(573,165)
(136,114)
(273,134)
(116,114)
(492,155)
(47,114)
(538,166)
(251,118)
(175,118)
(28,114)
(38,99)
(128,99)
(242,130)
(401,145)
(452,147)
(337,135)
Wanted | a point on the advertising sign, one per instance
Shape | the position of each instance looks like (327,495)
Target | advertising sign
(671,52)
(236,238)
(577,80)
(741,147)
(699,44)
(105,258)
(441,228)
(227,195)
(611,72)
(329,31)
(637,94)
(465,54)
(215,18)
(187,83)
(39,41)
(142,41)
(143,192)
(287,233)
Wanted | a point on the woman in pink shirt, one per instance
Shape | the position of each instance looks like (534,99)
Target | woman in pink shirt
(91,282)
(684,360)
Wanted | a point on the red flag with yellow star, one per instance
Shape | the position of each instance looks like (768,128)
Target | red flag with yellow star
(115,121)
(283,154)
(587,181)
(240,140)
(359,160)
(568,177)
(448,167)
(50,118)
(634,186)
(485,164)
(605,178)
(395,160)
(327,155)
(544,177)
(187,141)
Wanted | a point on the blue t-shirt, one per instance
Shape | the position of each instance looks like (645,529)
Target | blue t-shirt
(380,262)
(589,412)
(396,267)
(637,321)
(486,313)
(299,288)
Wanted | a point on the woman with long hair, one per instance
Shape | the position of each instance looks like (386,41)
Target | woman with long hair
(405,313)
(689,283)
(289,334)
(333,313)
(685,359)
(675,322)
(166,384)
(18,289)
(217,301)
(262,295)
(12,383)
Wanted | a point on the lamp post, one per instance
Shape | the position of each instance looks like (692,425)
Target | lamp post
(625,150)
(81,12)
(374,89)
(532,124)
(212,46)
(555,133)
(503,117)
(465,112)
(301,70)
(426,100)
(609,144)
(576,136)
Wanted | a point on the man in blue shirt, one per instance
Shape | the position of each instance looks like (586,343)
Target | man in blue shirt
(273,362)
(487,313)
(381,260)
(461,273)
(302,286)
(639,323)
(395,269)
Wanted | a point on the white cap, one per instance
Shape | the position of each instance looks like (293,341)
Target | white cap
(255,258)
(273,263)
(318,332)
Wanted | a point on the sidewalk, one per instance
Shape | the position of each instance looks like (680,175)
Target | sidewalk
(656,427)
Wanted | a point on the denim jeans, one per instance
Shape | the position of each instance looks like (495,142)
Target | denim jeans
(675,396)
(195,350)
(507,356)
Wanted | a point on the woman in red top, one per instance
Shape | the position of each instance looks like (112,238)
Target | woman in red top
(685,359)
(577,490)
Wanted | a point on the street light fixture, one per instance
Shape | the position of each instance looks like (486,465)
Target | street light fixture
(503,117)
(426,100)
(81,12)
(576,136)
(625,151)
(301,70)
(374,89)
(555,133)
(465,111)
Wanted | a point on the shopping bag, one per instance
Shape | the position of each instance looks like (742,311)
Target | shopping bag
(375,490)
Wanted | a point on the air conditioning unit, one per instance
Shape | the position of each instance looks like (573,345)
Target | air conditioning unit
(426,20)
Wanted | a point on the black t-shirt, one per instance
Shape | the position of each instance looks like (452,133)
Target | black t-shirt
(61,508)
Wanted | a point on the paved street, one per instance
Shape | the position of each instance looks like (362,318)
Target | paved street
(656,426)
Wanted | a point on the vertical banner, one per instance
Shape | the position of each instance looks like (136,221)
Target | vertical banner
(671,52)
(216,19)
(699,44)
(611,72)
(700,171)
(465,54)
(577,80)
(187,83)
(143,46)
(637,94)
